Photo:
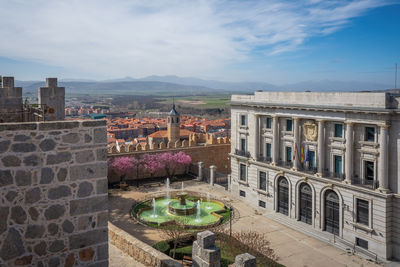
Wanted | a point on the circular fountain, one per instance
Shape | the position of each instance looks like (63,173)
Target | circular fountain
(183,208)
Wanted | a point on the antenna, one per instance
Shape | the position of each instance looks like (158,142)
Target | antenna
(395,77)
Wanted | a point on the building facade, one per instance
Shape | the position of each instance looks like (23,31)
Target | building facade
(324,163)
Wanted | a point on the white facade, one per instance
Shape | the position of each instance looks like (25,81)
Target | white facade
(325,162)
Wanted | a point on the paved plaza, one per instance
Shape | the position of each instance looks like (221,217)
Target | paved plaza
(292,247)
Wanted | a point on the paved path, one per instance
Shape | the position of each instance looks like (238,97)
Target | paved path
(117,258)
(293,248)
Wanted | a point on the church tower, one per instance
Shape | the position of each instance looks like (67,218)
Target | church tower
(173,125)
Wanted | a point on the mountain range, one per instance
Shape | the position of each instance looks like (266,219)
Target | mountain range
(174,85)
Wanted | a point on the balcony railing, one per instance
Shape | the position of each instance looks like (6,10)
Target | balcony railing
(242,153)
(333,175)
(264,159)
(373,184)
(308,169)
(287,164)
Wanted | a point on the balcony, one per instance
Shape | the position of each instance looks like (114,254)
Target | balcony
(308,169)
(261,158)
(333,175)
(287,164)
(368,183)
(242,153)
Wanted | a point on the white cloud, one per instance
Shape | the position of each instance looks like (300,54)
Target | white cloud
(187,38)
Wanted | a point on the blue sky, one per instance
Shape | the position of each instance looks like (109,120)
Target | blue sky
(272,41)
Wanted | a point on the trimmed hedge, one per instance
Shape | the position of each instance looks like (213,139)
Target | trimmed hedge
(162,246)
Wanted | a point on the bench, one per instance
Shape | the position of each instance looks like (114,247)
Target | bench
(187,261)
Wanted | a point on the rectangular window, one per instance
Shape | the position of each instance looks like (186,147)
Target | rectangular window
(243,144)
(288,154)
(369,172)
(243,172)
(311,155)
(338,164)
(261,203)
(242,193)
(361,243)
(370,134)
(339,130)
(289,125)
(362,211)
(243,120)
(262,184)
(269,123)
(269,150)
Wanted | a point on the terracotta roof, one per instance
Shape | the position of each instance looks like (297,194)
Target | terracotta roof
(164,134)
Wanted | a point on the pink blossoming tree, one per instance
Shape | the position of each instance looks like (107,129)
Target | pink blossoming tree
(123,166)
(152,163)
(171,161)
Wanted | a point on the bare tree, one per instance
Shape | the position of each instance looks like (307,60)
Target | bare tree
(175,233)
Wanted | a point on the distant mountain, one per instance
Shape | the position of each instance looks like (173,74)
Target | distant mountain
(173,85)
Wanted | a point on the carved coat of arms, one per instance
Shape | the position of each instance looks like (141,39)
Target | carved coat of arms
(310,130)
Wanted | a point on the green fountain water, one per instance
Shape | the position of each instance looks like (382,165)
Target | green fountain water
(183,209)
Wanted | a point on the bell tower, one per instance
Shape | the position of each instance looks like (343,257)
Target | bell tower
(173,128)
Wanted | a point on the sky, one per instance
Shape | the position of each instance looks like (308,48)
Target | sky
(271,41)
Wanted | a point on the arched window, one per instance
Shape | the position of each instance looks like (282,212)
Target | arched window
(331,212)
(177,120)
(283,195)
(305,209)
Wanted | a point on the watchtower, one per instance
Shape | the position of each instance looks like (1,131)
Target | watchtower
(52,98)
(10,101)
(173,125)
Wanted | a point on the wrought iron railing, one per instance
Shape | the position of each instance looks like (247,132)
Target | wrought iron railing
(242,153)
(264,159)
(287,164)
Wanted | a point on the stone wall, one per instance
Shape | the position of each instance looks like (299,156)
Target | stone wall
(138,250)
(217,155)
(396,227)
(10,101)
(53,194)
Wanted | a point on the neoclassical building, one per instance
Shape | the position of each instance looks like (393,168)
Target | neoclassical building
(326,164)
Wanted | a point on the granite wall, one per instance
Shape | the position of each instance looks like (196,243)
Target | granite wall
(53,194)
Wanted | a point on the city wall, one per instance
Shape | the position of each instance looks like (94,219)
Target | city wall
(53,194)
(210,154)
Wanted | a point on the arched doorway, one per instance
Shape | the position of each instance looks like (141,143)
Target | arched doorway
(283,195)
(305,203)
(331,212)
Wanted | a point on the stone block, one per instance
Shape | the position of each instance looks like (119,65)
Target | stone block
(54,262)
(23,147)
(17,126)
(85,189)
(102,186)
(70,138)
(4,211)
(86,254)
(101,154)
(56,246)
(11,195)
(4,145)
(18,215)
(33,213)
(54,212)
(102,219)
(12,245)
(32,195)
(40,248)
(62,174)
(47,176)
(59,192)
(211,255)
(88,205)
(5,178)
(100,135)
(89,238)
(23,178)
(88,171)
(25,260)
(47,145)
(84,156)
(206,239)
(34,231)
(31,160)
(245,260)
(102,252)
(58,158)
(68,226)
(21,138)
(52,229)
(45,126)
(11,161)
(95,123)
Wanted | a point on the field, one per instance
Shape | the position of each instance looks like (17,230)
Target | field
(201,102)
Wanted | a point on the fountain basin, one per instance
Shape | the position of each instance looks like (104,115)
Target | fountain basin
(175,207)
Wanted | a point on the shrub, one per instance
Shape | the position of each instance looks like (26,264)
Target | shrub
(180,252)
(162,246)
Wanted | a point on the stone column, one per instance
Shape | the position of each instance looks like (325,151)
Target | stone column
(204,251)
(296,141)
(383,162)
(245,260)
(256,145)
(212,174)
(349,152)
(275,140)
(200,177)
(321,147)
